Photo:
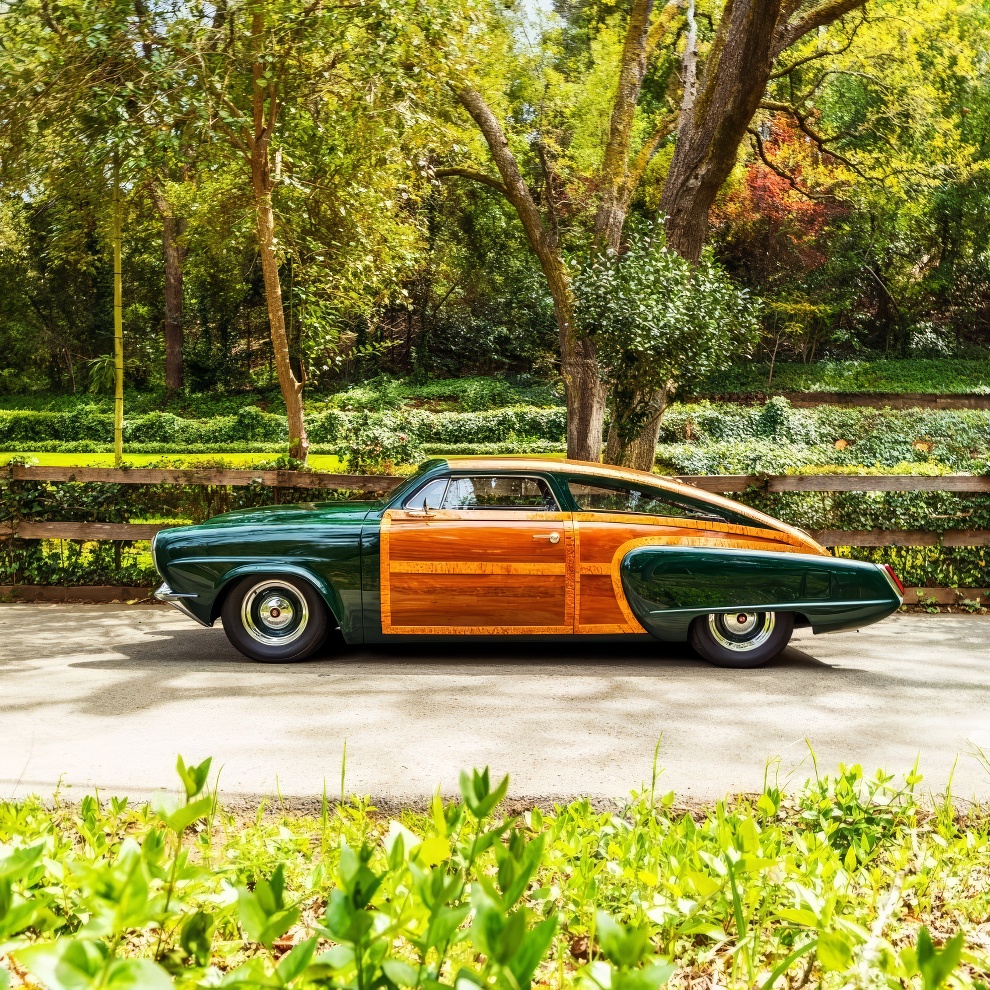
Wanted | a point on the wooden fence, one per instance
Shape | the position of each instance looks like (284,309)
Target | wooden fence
(381,484)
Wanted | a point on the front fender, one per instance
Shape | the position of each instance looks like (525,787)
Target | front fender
(327,591)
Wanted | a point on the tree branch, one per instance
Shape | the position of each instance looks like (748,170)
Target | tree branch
(819,16)
(820,140)
(516,190)
(468,173)
(777,170)
(661,26)
(787,70)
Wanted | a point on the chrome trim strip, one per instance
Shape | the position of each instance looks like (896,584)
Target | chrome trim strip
(775,607)
(177,600)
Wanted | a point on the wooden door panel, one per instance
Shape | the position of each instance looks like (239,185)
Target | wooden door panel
(477,572)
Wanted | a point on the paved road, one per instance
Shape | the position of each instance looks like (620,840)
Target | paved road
(107,695)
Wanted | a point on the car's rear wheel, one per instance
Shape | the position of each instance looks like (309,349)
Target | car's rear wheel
(274,618)
(741,639)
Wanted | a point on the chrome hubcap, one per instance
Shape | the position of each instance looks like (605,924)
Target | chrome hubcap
(741,631)
(274,613)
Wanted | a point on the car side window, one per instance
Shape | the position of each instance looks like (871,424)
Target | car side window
(598,498)
(499,492)
(430,496)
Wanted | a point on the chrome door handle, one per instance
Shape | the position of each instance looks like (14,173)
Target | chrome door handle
(552,537)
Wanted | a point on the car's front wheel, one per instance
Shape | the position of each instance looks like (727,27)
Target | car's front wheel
(274,618)
(741,639)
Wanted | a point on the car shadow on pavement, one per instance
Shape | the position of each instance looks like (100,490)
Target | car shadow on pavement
(202,650)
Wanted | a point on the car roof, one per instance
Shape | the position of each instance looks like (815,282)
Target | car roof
(568,467)
(591,469)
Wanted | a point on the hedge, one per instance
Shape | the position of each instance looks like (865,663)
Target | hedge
(25,429)
(925,376)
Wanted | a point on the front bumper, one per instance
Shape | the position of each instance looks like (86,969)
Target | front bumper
(177,599)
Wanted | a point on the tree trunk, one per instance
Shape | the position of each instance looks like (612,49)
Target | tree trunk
(583,389)
(639,451)
(175,256)
(261,178)
(118,320)
(292,388)
(713,124)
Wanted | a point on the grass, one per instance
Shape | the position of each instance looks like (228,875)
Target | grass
(846,881)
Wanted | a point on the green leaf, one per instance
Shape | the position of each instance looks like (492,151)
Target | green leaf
(401,973)
(935,966)
(193,778)
(834,952)
(180,819)
(531,952)
(294,963)
(18,862)
(196,936)
(137,974)
(68,964)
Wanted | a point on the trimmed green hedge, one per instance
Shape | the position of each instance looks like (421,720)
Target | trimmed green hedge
(23,430)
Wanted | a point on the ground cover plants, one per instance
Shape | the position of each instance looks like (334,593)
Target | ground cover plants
(928,376)
(846,881)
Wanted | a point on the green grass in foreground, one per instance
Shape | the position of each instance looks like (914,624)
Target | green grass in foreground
(844,882)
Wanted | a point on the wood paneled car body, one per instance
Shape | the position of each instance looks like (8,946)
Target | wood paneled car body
(517,547)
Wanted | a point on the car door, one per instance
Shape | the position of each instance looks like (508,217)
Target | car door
(478,554)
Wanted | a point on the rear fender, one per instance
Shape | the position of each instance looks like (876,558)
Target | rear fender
(667,587)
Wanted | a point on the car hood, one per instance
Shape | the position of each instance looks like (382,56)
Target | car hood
(298,512)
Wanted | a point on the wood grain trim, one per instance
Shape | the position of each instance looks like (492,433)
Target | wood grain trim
(594,567)
(490,515)
(604,628)
(389,567)
(565,630)
(385,564)
(575,573)
(471,567)
(570,575)
(679,522)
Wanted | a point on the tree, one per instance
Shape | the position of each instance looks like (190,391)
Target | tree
(659,322)
(708,106)
(275,79)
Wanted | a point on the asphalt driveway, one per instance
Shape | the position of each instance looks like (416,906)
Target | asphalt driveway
(105,696)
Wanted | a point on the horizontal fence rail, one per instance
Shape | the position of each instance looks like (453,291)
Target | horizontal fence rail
(826,537)
(385,483)
(382,484)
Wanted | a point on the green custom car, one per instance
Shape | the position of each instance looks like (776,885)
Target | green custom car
(517,547)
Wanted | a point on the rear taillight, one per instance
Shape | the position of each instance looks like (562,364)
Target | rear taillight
(893,577)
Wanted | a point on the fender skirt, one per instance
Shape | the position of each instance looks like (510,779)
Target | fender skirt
(669,586)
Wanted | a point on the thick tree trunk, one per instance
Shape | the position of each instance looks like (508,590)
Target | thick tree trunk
(584,392)
(713,124)
(261,179)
